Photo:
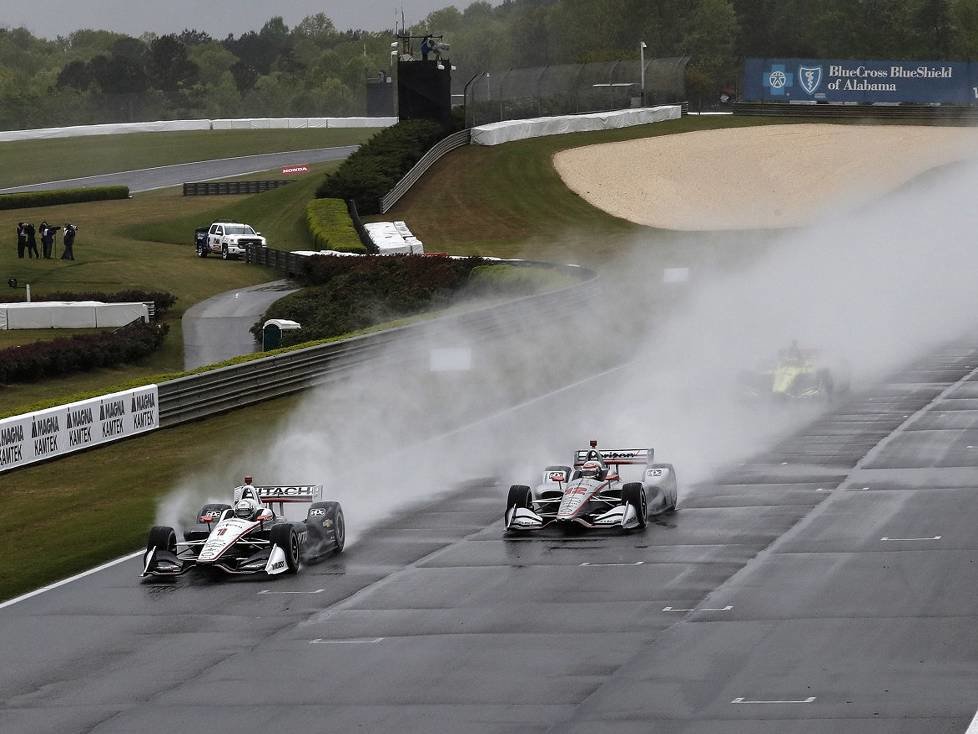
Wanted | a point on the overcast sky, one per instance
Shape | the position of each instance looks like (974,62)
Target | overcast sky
(52,18)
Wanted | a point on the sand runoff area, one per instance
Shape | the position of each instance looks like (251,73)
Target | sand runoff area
(766,176)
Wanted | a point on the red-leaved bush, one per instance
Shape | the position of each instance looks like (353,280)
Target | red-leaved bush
(82,352)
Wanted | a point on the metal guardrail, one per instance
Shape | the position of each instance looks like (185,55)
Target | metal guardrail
(434,154)
(943,113)
(223,188)
(227,388)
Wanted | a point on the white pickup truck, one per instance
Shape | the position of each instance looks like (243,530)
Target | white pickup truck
(229,240)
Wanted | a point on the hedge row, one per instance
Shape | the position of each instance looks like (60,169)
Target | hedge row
(83,352)
(164,300)
(62,196)
(371,172)
(350,293)
(331,228)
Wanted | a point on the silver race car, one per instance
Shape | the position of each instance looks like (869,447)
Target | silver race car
(592,493)
(251,536)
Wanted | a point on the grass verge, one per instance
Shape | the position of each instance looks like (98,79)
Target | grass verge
(35,161)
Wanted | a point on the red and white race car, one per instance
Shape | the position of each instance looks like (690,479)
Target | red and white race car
(252,535)
(592,493)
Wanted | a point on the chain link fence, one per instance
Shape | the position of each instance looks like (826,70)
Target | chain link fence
(569,89)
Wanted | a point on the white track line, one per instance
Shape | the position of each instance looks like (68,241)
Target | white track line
(700,609)
(370,641)
(56,584)
(810,699)
(973,726)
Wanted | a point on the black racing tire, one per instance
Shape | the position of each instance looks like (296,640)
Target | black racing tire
(633,494)
(333,513)
(162,538)
(286,538)
(519,496)
(339,527)
(224,252)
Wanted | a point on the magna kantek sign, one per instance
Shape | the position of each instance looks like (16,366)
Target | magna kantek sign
(855,81)
(32,437)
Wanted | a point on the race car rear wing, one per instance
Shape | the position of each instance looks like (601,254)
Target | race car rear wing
(615,456)
(307,493)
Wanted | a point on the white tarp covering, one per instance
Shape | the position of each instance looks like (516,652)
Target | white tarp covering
(394,238)
(509,130)
(70,314)
(119,128)
(45,434)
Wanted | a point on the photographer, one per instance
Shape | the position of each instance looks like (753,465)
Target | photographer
(69,240)
(47,238)
(31,241)
(21,240)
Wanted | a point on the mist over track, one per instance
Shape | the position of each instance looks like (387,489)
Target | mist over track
(818,576)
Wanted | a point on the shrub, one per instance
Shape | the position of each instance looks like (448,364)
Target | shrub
(331,228)
(350,293)
(163,299)
(82,352)
(369,173)
(28,199)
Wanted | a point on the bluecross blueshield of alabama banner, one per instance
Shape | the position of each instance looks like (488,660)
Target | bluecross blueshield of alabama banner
(847,80)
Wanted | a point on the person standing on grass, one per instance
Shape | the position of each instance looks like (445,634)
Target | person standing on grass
(69,240)
(21,240)
(47,239)
(31,241)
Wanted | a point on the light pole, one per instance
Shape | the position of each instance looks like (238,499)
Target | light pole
(641,54)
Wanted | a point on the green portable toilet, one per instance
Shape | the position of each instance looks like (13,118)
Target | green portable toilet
(271,332)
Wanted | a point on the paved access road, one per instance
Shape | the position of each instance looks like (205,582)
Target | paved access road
(159,177)
(219,328)
(827,585)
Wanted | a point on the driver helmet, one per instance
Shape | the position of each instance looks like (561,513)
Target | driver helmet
(245,509)
(590,468)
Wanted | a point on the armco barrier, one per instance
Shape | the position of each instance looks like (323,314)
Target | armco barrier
(216,391)
(222,188)
(437,151)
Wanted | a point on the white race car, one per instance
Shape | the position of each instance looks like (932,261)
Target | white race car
(592,493)
(251,536)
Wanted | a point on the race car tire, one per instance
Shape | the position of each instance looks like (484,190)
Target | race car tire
(286,538)
(163,539)
(339,526)
(519,496)
(334,513)
(633,494)
(224,252)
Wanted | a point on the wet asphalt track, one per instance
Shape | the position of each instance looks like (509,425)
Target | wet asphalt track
(159,177)
(829,585)
(219,328)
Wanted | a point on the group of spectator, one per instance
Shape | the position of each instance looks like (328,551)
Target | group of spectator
(27,240)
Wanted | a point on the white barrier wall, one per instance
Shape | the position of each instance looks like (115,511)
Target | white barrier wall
(119,128)
(250,123)
(70,314)
(32,437)
(507,131)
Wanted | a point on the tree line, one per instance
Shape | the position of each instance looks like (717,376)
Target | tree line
(314,69)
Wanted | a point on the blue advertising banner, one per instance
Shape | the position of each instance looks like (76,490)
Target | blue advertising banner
(865,82)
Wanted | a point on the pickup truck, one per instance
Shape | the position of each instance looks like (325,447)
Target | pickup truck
(227,239)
